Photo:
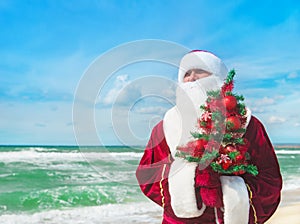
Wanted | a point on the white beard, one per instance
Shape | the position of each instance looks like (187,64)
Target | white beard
(189,97)
(178,124)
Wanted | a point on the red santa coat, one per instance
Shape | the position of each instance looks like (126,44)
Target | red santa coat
(264,189)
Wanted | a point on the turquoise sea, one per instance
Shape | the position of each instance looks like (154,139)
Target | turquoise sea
(70,184)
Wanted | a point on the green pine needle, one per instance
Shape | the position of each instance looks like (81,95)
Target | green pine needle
(209,156)
(233,155)
(241,108)
(203,107)
(213,93)
(252,170)
(239,141)
(230,76)
(198,135)
(216,115)
(227,137)
(239,97)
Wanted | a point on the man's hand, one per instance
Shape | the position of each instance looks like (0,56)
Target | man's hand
(208,183)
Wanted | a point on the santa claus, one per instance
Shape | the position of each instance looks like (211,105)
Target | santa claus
(178,185)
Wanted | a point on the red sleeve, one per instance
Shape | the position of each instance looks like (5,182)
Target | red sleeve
(266,186)
(153,169)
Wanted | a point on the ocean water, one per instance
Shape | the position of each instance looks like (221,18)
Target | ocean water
(68,184)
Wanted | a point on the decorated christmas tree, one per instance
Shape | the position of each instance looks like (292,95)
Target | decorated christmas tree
(220,141)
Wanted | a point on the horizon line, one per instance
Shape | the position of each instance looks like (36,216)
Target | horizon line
(115,145)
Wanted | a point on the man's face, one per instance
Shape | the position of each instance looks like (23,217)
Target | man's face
(195,74)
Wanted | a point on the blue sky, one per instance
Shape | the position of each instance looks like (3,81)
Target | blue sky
(47,46)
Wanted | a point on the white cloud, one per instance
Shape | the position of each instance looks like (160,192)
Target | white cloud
(36,123)
(257,109)
(151,110)
(264,60)
(129,95)
(169,92)
(48,78)
(279,97)
(265,101)
(281,82)
(120,82)
(276,120)
(124,91)
(292,75)
(41,125)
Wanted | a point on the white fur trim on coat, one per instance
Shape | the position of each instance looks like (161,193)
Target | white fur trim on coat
(182,191)
(182,173)
(248,115)
(235,199)
(172,129)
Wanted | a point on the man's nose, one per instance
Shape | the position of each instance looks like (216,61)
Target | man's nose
(193,77)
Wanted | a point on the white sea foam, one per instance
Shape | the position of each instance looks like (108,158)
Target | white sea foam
(289,152)
(141,212)
(291,182)
(90,167)
(41,157)
(41,149)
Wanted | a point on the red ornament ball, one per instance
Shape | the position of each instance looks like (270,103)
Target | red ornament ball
(239,158)
(229,148)
(197,147)
(226,165)
(200,144)
(233,123)
(239,172)
(230,102)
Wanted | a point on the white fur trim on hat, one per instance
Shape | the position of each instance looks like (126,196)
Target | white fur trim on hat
(202,60)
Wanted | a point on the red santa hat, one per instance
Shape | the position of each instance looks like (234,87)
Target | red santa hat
(200,59)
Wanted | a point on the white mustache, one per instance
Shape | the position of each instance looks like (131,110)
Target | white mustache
(195,92)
